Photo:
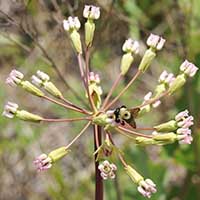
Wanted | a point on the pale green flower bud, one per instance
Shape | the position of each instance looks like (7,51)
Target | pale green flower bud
(144,141)
(76,40)
(27,116)
(160,89)
(147,59)
(52,89)
(126,61)
(31,88)
(89,32)
(59,153)
(133,174)
(166,138)
(167,127)
(177,83)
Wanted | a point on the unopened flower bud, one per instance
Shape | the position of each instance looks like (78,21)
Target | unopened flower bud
(177,83)
(126,61)
(167,127)
(29,87)
(188,68)
(147,59)
(59,153)
(144,141)
(15,77)
(107,170)
(10,110)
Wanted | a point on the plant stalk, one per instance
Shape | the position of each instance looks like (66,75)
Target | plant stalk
(98,178)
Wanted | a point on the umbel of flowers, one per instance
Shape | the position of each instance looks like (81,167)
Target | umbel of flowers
(106,121)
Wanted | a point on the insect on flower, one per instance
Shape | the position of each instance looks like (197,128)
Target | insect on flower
(123,114)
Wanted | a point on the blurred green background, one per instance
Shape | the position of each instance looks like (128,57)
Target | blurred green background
(32,38)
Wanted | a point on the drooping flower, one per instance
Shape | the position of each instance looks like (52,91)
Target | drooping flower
(10,109)
(43,162)
(14,78)
(184,120)
(184,136)
(146,187)
(188,68)
(107,170)
(91,12)
(155,41)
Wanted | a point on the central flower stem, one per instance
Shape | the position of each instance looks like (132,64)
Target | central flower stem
(98,178)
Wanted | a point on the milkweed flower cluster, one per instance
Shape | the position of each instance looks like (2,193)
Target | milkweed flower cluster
(104,118)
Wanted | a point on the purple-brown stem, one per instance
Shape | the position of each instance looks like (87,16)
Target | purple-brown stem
(73,105)
(84,77)
(115,84)
(119,128)
(66,120)
(98,178)
(124,90)
(64,105)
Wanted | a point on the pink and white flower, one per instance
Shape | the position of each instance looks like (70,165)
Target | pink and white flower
(147,187)
(166,78)
(107,170)
(131,46)
(94,77)
(91,12)
(155,41)
(14,78)
(184,120)
(71,23)
(188,68)
(10,109)
(184,136)
(147,98)
(43,162)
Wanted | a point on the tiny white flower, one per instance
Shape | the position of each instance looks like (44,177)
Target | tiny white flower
(43,76)
(155,41)
(131,46)
(71,23)
(188,68)
(10,109)
(14,78)
(36,81)
(91,12)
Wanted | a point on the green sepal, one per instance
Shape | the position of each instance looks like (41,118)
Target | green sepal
(27,116)
(29,87)
(167,127)
(149,55)
(52,89)
(89,32)
(126,61)
(166,138)
(59,153)
(177,83)
(76,40)
(133,174)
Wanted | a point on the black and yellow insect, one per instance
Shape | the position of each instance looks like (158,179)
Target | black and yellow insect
(123,114)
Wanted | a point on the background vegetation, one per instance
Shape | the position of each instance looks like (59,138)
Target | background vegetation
(32,38)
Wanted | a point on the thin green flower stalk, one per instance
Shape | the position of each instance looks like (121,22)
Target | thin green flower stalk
(102,115)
